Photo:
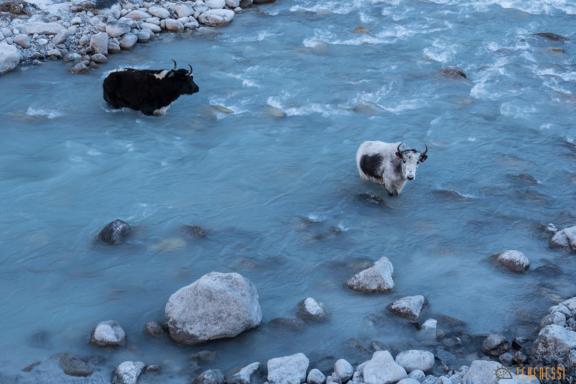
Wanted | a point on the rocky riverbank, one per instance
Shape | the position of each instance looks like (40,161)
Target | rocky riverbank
(85,32)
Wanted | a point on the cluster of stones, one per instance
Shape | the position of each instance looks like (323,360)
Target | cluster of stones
(84,33)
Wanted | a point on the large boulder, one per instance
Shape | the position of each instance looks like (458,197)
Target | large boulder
(377,278)
(343,370)
(382,369)
(408,307)
(216,17)
(40,28)
(216,306)
(554,344)
(415,360)
(9,57)
(565,238)
(288,369)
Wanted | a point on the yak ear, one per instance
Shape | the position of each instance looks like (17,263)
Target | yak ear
(423,158)
(399,154)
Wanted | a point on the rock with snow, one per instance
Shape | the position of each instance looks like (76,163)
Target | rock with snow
(565,238)
(116,231)
(415,360)
(288,369)
(382,369)
(343,370)
(315,376)
(514,260)
(216,17)
(245,375)
(41,28)
(128,41)
(311,309)
(495,345)
(408,307)
(108,334)
(482,372)
(377,278)
(159,12)
(128,372)
(218,305)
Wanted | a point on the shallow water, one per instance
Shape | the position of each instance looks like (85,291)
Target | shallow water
(280,196)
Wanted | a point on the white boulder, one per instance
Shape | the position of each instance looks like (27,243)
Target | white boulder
(382,369)
(215,4)
(158,11)
(41,28)
(416,359)
(565,238)
(116,29)
(183,10)
(108,334)
(311,309)
(288,369)
(377,278)
(216,17)
(482,372)
(128,41)
(315,376)
(99,43)
(408,307)
(218,305)
(343,370)
(173,25)
(244,375)
(128,372)
(9,57)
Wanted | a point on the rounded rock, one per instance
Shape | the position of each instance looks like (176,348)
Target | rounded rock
(495,345)
(514,260)
(128,372)
(343,369)
(415,360)
(315,376)
(311,309)
(216,17)
(108,334)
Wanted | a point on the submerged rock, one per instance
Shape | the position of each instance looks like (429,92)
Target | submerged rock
(74,366)
(377,278)
(415,360)
(153,328)
(115,232)
(128,372)
(565,238)
(310,309)
(428,329)
(408,307)
(196,231)
(514,260)
(552,36)
(108,334)
(211,376)
(218,305)
(245,375)
(288,369)
(382,369)
(9,57)
(453,73)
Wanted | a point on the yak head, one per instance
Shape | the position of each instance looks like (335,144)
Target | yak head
(409,161)
(181,77)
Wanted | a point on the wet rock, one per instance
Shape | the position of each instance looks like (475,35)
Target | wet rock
(99,44)
(415,360)
(408,307)
(377,278)
(288,323)
(128,41)
(506,358)
(428,329)
(246,3)
(514,260)
(128,372)
(343,370)
(144,35)
(22,40)
(310,309)
(288,369)
(74,366)
(216,17)
(246,374)
(218,305)
(519,357)
(152,368)
(552,36)
(81,67)
(565,238)
(115,232)
(482,372)
(382,369)
(117,29)
(159,12)
(495,345)
(173,25)
(417,375)
(153,328)
(9,57)
(99,58)
(315,376)
(203,357)
(196,231)
(453,73)
(82,5)
(108,334)
(211,376)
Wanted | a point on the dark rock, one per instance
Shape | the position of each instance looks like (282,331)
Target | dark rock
(152,368)
(211,376)
(115,232)
(495,345)
(17,7)
(263,1)
(371,199)
(288,323)
(453,73)
(506,358)
(30,367)
(203,357)
(153,328)
(552,36)
(519,357)
(519,342)
(246,3)
(196,231)
(74,366)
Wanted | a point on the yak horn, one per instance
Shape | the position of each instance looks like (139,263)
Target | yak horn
(175,65)
(425,150)
(189,66)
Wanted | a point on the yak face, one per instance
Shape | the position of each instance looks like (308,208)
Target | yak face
(186,81)
(409,161)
